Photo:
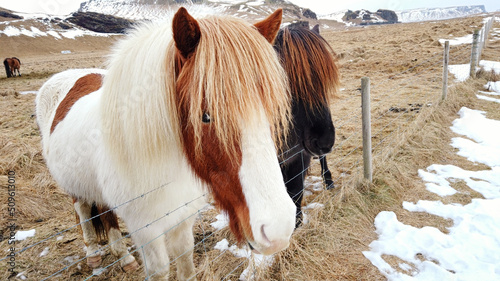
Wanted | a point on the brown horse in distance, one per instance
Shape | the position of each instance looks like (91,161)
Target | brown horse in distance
(11,65)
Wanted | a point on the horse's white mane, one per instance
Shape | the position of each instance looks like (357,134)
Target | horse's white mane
(145,57)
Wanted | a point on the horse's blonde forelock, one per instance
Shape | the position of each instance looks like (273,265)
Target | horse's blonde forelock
(236,74)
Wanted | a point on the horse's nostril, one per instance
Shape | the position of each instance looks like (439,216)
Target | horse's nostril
(325,146)
(320,146)
(272,240)
(264,236)
(327,150)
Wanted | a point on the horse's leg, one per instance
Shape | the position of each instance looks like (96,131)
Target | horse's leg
(151,244)
(116,242)
(7,68)
(325,172)
(294,176)
(181,242)
(83,210)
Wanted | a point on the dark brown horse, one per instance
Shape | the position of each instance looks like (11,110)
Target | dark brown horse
(11,65)
(313,78)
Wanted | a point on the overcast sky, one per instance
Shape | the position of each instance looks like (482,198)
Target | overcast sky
(63,7)
(53,7)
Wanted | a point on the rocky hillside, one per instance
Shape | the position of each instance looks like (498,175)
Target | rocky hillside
(7,14)
(99,22)
(365,17)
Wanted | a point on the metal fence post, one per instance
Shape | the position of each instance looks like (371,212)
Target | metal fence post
(480,43)
(446,58)
(367,134)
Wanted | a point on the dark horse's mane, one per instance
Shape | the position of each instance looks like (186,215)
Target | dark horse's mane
(314,78)
(310,64)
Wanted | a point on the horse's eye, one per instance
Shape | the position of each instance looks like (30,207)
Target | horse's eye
(205,118)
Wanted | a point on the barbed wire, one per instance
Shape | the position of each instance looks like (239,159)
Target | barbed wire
(137,230)
(90,219)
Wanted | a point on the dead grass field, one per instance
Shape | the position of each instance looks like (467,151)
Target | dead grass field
(403,62)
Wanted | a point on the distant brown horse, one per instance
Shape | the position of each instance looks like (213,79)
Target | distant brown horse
(11,65)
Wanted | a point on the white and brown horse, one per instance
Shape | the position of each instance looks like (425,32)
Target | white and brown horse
(175,117)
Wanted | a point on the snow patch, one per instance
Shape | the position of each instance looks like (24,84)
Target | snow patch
(23,235)
(222,221)
(44,252)
(471,248)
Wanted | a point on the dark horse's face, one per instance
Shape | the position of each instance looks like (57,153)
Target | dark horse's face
(313,78)
(312,128)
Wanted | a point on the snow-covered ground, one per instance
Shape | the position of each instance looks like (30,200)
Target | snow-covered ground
(35,32)
(467,39)
(471,248)
(24,234)
(461,71)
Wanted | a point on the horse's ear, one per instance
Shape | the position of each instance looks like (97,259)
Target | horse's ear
(315,29)
(186,32)
(270,26)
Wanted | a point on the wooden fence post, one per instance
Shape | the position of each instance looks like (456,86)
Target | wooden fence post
(367,132)
(487,28)
(473,57)
(480,43)
(445,69)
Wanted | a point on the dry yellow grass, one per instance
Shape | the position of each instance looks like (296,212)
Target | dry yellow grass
(403,62)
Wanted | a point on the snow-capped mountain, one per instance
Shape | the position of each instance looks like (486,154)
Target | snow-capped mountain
(424,14)
(439,13)
(100,17)
(153,9)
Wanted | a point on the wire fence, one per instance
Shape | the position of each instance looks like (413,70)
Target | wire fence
(391,112)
